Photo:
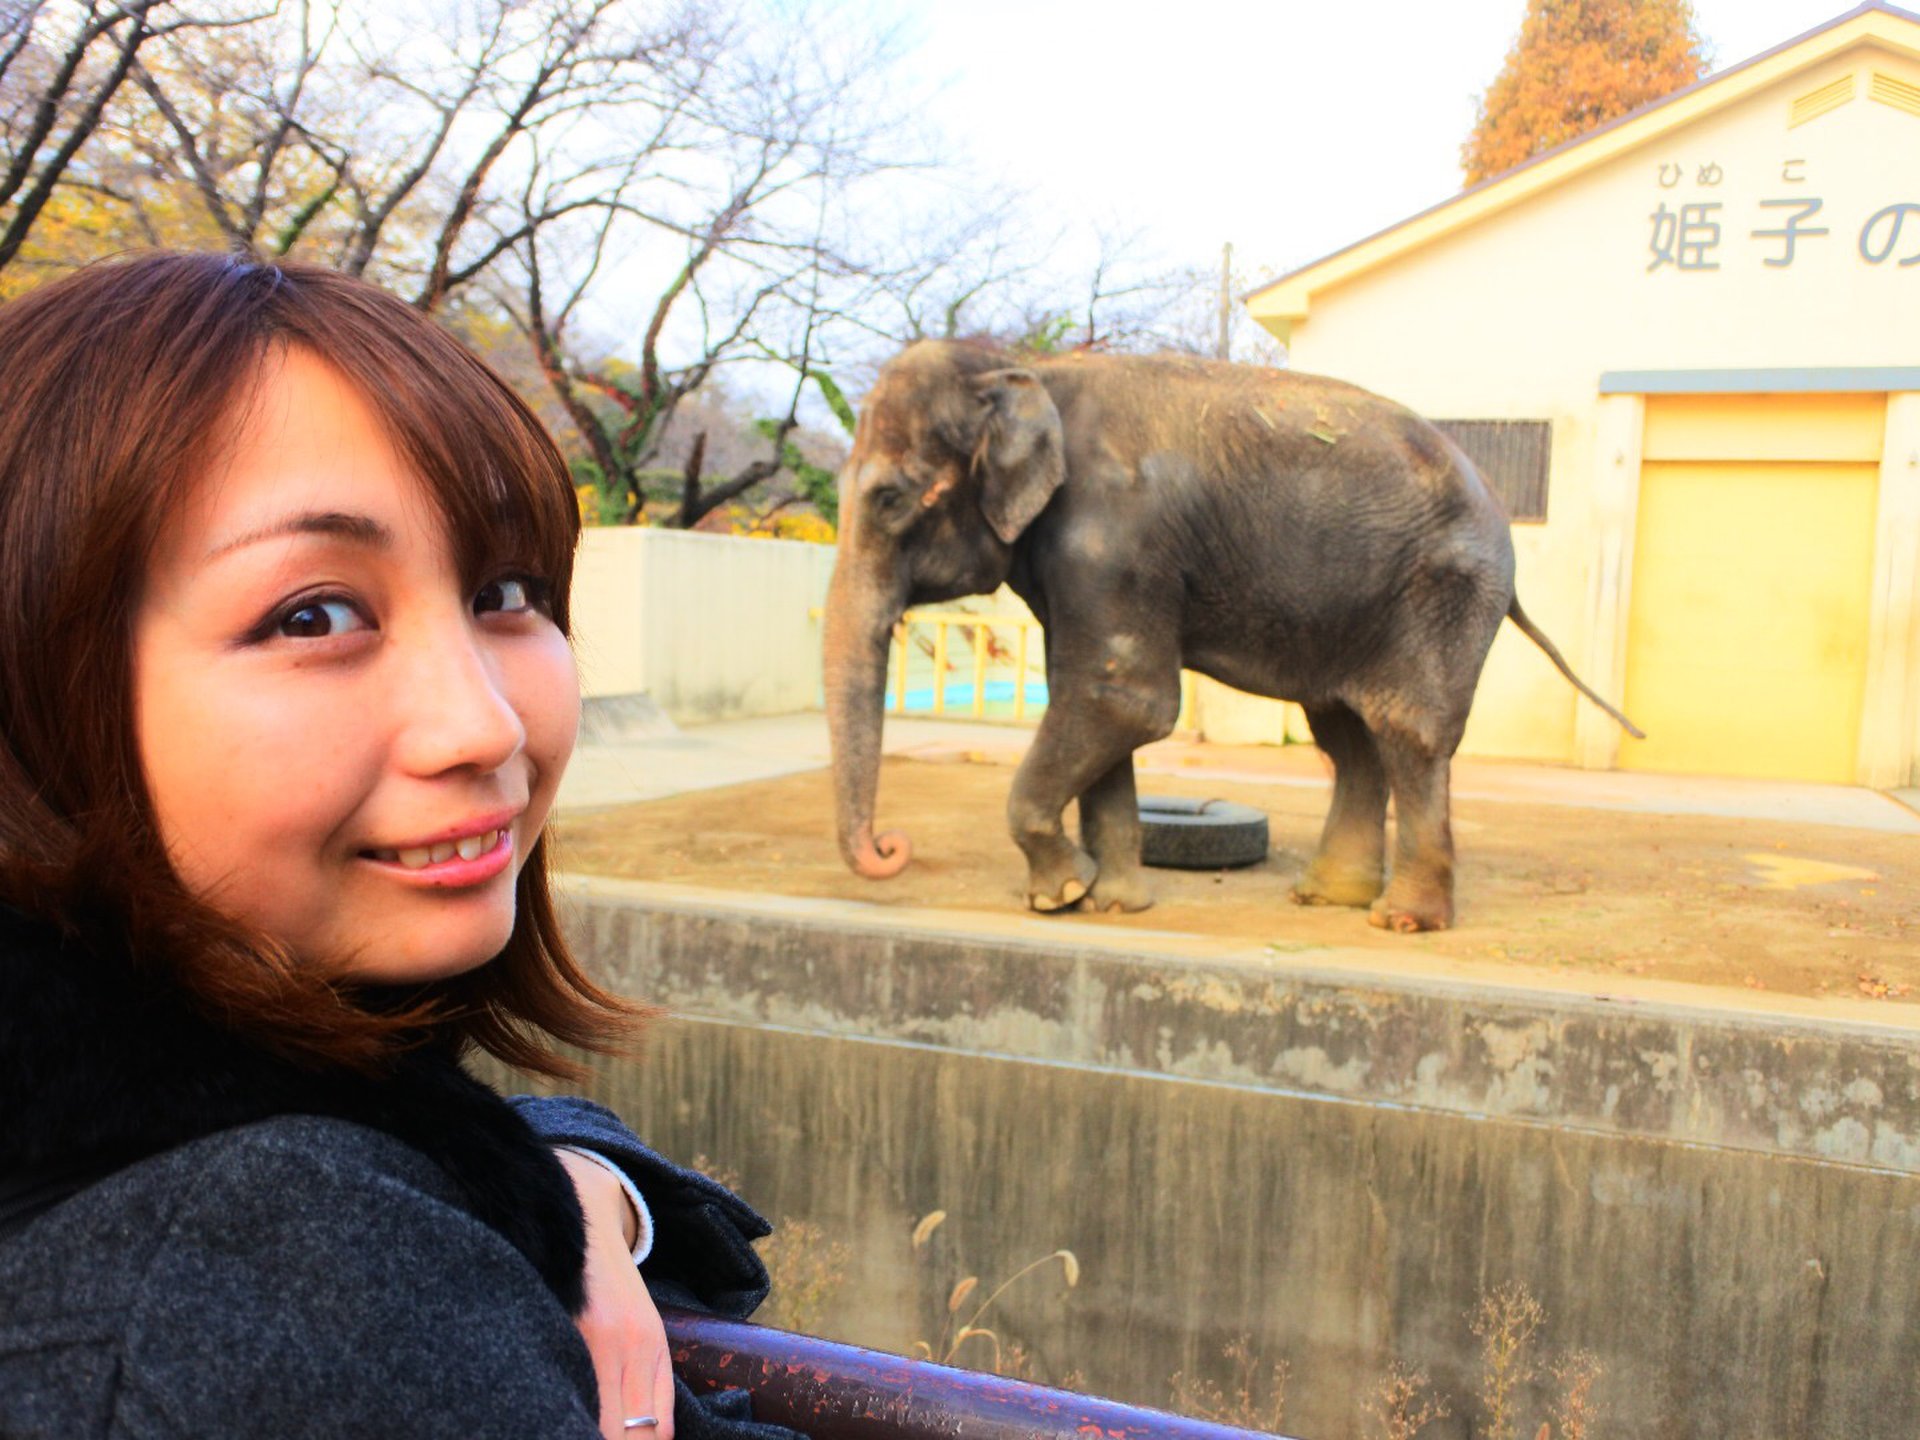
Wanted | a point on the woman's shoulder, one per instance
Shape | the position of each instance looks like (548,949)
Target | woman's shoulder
(245,1160)
(322,1174)
(303,1265)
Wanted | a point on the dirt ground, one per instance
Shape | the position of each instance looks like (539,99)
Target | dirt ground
(1798,909)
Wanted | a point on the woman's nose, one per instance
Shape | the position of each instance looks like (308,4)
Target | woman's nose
(460,714)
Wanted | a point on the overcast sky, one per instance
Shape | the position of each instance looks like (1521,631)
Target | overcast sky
(1290,127)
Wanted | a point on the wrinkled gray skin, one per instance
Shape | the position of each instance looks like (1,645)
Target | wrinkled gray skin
(1289,535)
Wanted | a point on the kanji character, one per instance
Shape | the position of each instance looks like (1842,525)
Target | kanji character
(1791,231)
(1682,238)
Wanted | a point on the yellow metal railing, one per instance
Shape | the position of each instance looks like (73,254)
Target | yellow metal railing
(1026,660)
(1026,657)
(981,645)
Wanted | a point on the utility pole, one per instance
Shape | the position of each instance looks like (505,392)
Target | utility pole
(1226,297)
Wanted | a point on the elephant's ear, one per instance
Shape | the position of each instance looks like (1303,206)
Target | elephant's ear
(1021,449)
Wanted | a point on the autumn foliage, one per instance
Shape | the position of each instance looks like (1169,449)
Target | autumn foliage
(1576,65)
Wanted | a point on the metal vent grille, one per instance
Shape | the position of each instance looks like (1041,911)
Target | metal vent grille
(1513,456)
(1897,93)
(1830,96)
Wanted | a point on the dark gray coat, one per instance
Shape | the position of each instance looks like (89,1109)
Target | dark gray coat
(279,1254)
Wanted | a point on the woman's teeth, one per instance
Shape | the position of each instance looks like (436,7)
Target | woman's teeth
(420,856)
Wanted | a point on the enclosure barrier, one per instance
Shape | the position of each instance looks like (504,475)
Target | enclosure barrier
(829,1391)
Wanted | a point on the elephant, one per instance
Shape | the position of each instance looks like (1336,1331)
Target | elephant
(1290,535)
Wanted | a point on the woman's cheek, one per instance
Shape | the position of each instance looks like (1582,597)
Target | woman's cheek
(558,690)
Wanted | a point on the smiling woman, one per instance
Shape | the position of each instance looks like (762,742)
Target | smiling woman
(304,616)
(285,697)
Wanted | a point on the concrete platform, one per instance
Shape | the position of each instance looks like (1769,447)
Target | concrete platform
(737,751)
(1828,1079)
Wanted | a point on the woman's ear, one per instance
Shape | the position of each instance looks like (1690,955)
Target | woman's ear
(1021,450)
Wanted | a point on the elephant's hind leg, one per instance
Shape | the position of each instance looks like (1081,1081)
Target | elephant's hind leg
(1420,895)
(1350,866)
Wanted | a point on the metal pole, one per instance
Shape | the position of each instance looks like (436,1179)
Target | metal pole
(940,667)
(838,1392)
(906,657)
(1226,299)
(1020,676)
(981,635)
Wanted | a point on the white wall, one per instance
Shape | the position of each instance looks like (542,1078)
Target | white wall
(713,627)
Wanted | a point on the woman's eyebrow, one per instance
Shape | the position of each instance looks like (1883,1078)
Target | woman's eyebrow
(361,529)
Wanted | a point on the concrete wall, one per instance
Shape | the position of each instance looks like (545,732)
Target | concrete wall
(1331,1160)
(711,626)
(715,627)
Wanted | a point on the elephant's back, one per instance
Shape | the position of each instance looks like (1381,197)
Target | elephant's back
(1228,425)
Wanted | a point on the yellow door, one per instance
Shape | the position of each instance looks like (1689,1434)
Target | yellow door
(1752,572)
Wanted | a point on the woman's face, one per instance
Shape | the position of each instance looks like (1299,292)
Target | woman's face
(346,745)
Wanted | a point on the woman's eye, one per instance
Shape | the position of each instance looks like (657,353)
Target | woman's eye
(512,595)
(318,619)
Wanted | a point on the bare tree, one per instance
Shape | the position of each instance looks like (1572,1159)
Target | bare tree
(376,147)
(61,66)
(728,216)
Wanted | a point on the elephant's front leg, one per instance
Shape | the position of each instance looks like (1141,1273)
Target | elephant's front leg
(1060,765)
(1110,830)
(1084,748)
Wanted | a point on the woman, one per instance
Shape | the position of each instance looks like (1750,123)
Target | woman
(285,695)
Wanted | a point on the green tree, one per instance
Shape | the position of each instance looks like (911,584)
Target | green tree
(1576,65)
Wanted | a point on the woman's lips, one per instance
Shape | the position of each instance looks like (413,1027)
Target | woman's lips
(449,864)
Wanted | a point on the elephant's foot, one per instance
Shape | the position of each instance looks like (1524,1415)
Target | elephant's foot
(1055,888)
(1119,892)
(1411,908)
(1330,883)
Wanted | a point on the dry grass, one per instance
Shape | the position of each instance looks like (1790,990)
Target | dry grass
(1401,1405)
(1248,1404)
(961,1340)
(808,1271)
(1505,1322)
(1574,1411)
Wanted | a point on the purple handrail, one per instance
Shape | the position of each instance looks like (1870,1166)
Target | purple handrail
(841,1392)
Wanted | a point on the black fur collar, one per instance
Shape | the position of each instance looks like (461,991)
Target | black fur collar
(100,1067)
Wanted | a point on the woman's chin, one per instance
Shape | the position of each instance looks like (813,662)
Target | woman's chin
(437,952)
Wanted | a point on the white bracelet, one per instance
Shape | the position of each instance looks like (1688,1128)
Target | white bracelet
(642,1217)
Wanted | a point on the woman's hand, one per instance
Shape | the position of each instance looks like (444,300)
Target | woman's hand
(623,1330)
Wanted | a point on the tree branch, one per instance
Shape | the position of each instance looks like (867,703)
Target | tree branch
(205,183)
(29,208)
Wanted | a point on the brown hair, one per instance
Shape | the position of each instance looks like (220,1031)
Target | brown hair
(116,385)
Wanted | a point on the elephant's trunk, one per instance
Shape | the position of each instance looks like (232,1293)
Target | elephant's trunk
(858,633)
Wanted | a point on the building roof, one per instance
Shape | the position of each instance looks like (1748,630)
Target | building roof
(1286,300)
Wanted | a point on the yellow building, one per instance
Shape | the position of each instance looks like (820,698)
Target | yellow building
(1686,349)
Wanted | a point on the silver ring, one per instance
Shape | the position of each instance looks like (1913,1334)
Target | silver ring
(639,1422)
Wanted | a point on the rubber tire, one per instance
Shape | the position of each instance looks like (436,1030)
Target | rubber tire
(1177,833)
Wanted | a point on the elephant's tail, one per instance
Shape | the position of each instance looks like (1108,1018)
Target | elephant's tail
(1539,637)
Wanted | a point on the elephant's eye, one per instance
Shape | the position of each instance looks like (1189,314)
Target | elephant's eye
(890,501)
